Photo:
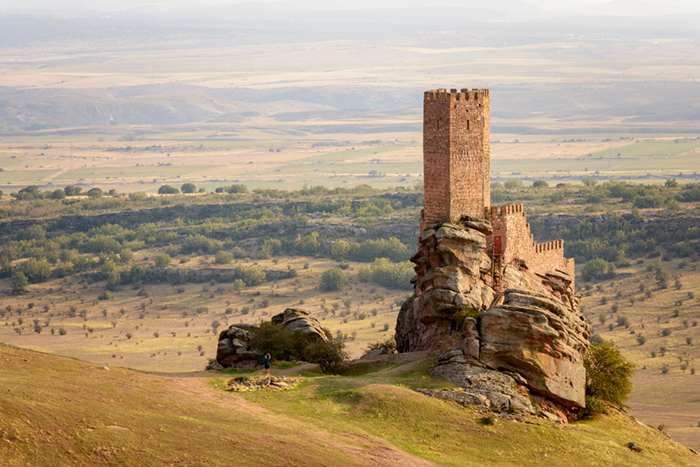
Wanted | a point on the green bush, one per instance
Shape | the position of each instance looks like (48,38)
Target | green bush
(95,193)
(162,260)
(167,190)
(364,274)
(389,345)
(333,279)
(188,188)
(608,375)
(18,282)
(593,267)
(390,275)
(278,341)
(253,276)
(223,257)
(340,249)
(328,354)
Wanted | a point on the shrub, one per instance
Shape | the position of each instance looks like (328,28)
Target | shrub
(608,375)
(162,260)
(540,184)
(340,249)
(395,276)
(223,257)
(593,267)
(167,190)
(253,276)
(364,274)
(389,345)
(333,279)
(105,295)
(188,188)
(271,247)
(95,193)
(19,282)
(278,341)
(328,354)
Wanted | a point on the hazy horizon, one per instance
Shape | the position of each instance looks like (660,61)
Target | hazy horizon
(632,8)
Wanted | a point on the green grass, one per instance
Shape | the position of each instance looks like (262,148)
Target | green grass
(57,411)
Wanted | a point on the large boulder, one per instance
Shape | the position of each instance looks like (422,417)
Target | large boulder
(298,320)
(542,340)
(233,349)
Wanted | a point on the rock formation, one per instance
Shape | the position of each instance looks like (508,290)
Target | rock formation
(234,347)
(298,320)
(532,332)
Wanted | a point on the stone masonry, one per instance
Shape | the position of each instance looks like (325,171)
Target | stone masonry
(457,165)
(456,154)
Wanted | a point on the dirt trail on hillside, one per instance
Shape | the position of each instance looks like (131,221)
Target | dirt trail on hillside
(377,454)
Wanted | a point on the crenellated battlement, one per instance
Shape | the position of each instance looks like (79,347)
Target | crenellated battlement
(550,246)
(461,95)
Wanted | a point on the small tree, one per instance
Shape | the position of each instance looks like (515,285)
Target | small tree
(333,279)
(608,375)
(19,282)
(188,188)
(95,193)
(253,276)
(162,260)
(167,190)
(593,267)
(328,354)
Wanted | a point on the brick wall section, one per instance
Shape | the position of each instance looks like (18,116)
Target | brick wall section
(511,224)
(456,154)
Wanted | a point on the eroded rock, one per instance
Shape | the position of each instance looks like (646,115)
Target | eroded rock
(542,340)
(296,319)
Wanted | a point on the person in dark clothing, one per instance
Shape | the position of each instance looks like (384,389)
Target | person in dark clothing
(266,362)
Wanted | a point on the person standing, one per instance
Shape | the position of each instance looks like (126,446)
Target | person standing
(266,362)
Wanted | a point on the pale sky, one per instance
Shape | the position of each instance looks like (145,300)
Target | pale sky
(615,7)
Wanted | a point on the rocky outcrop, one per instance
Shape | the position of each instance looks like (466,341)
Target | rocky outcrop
(453,271)
(234,349)
(532,333)
(542,340)
(298,320)
(480,386)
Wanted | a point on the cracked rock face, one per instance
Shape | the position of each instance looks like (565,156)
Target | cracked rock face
(296,319)
(542,340)
(536,336)
(480,386)
(451,264)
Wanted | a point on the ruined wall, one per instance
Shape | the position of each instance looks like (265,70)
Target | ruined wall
(511,224)
(456,154)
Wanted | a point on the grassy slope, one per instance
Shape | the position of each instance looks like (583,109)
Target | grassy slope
(58,411)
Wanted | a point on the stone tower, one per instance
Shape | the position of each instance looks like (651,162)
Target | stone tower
(456,154)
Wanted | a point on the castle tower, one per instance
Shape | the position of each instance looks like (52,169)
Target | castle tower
(456,154)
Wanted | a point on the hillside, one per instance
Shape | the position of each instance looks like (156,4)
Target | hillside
(59,411)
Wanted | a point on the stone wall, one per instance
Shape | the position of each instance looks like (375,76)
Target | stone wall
(456,154)
(510,223)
